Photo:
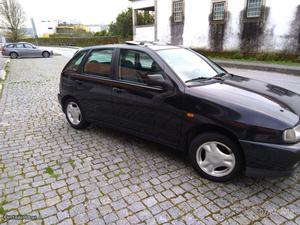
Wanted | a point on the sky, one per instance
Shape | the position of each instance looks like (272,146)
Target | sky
(86,11)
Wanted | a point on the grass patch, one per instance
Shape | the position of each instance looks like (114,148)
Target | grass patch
(120,173)
(6,69)
(72,162)
(51,172)
(2,210)
(266,57)
(2,168)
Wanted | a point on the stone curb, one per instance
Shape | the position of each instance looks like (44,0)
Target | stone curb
(292,70)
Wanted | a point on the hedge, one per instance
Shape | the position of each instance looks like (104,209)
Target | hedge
(74,41)
(260,56)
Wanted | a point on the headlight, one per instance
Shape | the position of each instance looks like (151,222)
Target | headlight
(292,135)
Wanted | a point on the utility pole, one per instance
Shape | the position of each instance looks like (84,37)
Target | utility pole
(34,31)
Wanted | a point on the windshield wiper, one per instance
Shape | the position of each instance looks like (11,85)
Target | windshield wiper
(217,77)
(221,74)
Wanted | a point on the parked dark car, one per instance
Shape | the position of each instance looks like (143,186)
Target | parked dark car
(24,49)
(227,124)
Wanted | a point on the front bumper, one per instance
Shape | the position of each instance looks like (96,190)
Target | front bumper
(270,160)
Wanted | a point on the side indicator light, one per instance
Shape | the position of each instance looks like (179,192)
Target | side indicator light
(190,115)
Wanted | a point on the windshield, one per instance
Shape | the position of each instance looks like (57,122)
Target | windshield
(188,65)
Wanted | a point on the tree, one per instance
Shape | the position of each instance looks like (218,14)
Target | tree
(123,25)
(145,18)
(101,33)
(12,18)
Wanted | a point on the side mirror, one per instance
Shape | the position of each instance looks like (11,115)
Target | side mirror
(157,80)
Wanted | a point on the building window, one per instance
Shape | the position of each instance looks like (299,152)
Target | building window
(219,11)
(145,16)
(178,11)
(254,8)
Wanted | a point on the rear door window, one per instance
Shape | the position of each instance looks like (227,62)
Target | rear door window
(76,61)
(20,46)
(28,46)
(99,63)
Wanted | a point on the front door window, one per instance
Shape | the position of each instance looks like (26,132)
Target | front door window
(134,66)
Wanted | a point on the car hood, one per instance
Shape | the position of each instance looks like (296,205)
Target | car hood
(269,102)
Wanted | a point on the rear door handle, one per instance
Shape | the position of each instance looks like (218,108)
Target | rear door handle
(78,82)
(118,90)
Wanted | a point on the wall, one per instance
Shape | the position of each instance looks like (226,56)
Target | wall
(144,33)
(143,4)
(164,13)
(277,30)
(43,27)
(232,32)
(196,27)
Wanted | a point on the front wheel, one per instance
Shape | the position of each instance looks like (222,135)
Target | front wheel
(74,114)
(216,157)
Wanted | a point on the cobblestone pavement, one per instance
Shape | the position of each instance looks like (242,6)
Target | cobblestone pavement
(100,176)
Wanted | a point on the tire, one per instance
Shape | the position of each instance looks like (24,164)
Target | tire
(13,55)
(216,157)
(46,54)
(74,114)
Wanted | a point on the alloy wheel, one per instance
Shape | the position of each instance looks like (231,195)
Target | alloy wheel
(74,113)
(215,159)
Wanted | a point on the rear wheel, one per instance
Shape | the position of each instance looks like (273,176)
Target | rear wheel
(13,55)
(216,157)
(46,54)
(75,114)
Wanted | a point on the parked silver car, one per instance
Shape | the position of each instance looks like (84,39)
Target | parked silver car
(24,49)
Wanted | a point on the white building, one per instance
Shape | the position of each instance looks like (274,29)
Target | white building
(44,28)
(96,28)
(249,25)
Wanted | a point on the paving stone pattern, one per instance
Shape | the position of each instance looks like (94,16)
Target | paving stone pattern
(100,176)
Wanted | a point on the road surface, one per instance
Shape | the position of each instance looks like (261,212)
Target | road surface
(289,82)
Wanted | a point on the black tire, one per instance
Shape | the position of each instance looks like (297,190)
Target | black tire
(46,54)
(13,55)
(198,154)
(83,123)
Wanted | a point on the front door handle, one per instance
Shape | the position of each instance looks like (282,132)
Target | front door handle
(118,90)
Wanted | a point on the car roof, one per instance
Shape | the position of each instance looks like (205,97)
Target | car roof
(154,47)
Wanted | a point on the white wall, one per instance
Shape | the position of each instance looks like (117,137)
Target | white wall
(196,24)
(143,4)
(144,33)
(232,32)
(282,13)
(164,12)
(42,27)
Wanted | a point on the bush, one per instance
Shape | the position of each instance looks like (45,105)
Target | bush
(261,56)
(74,41)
